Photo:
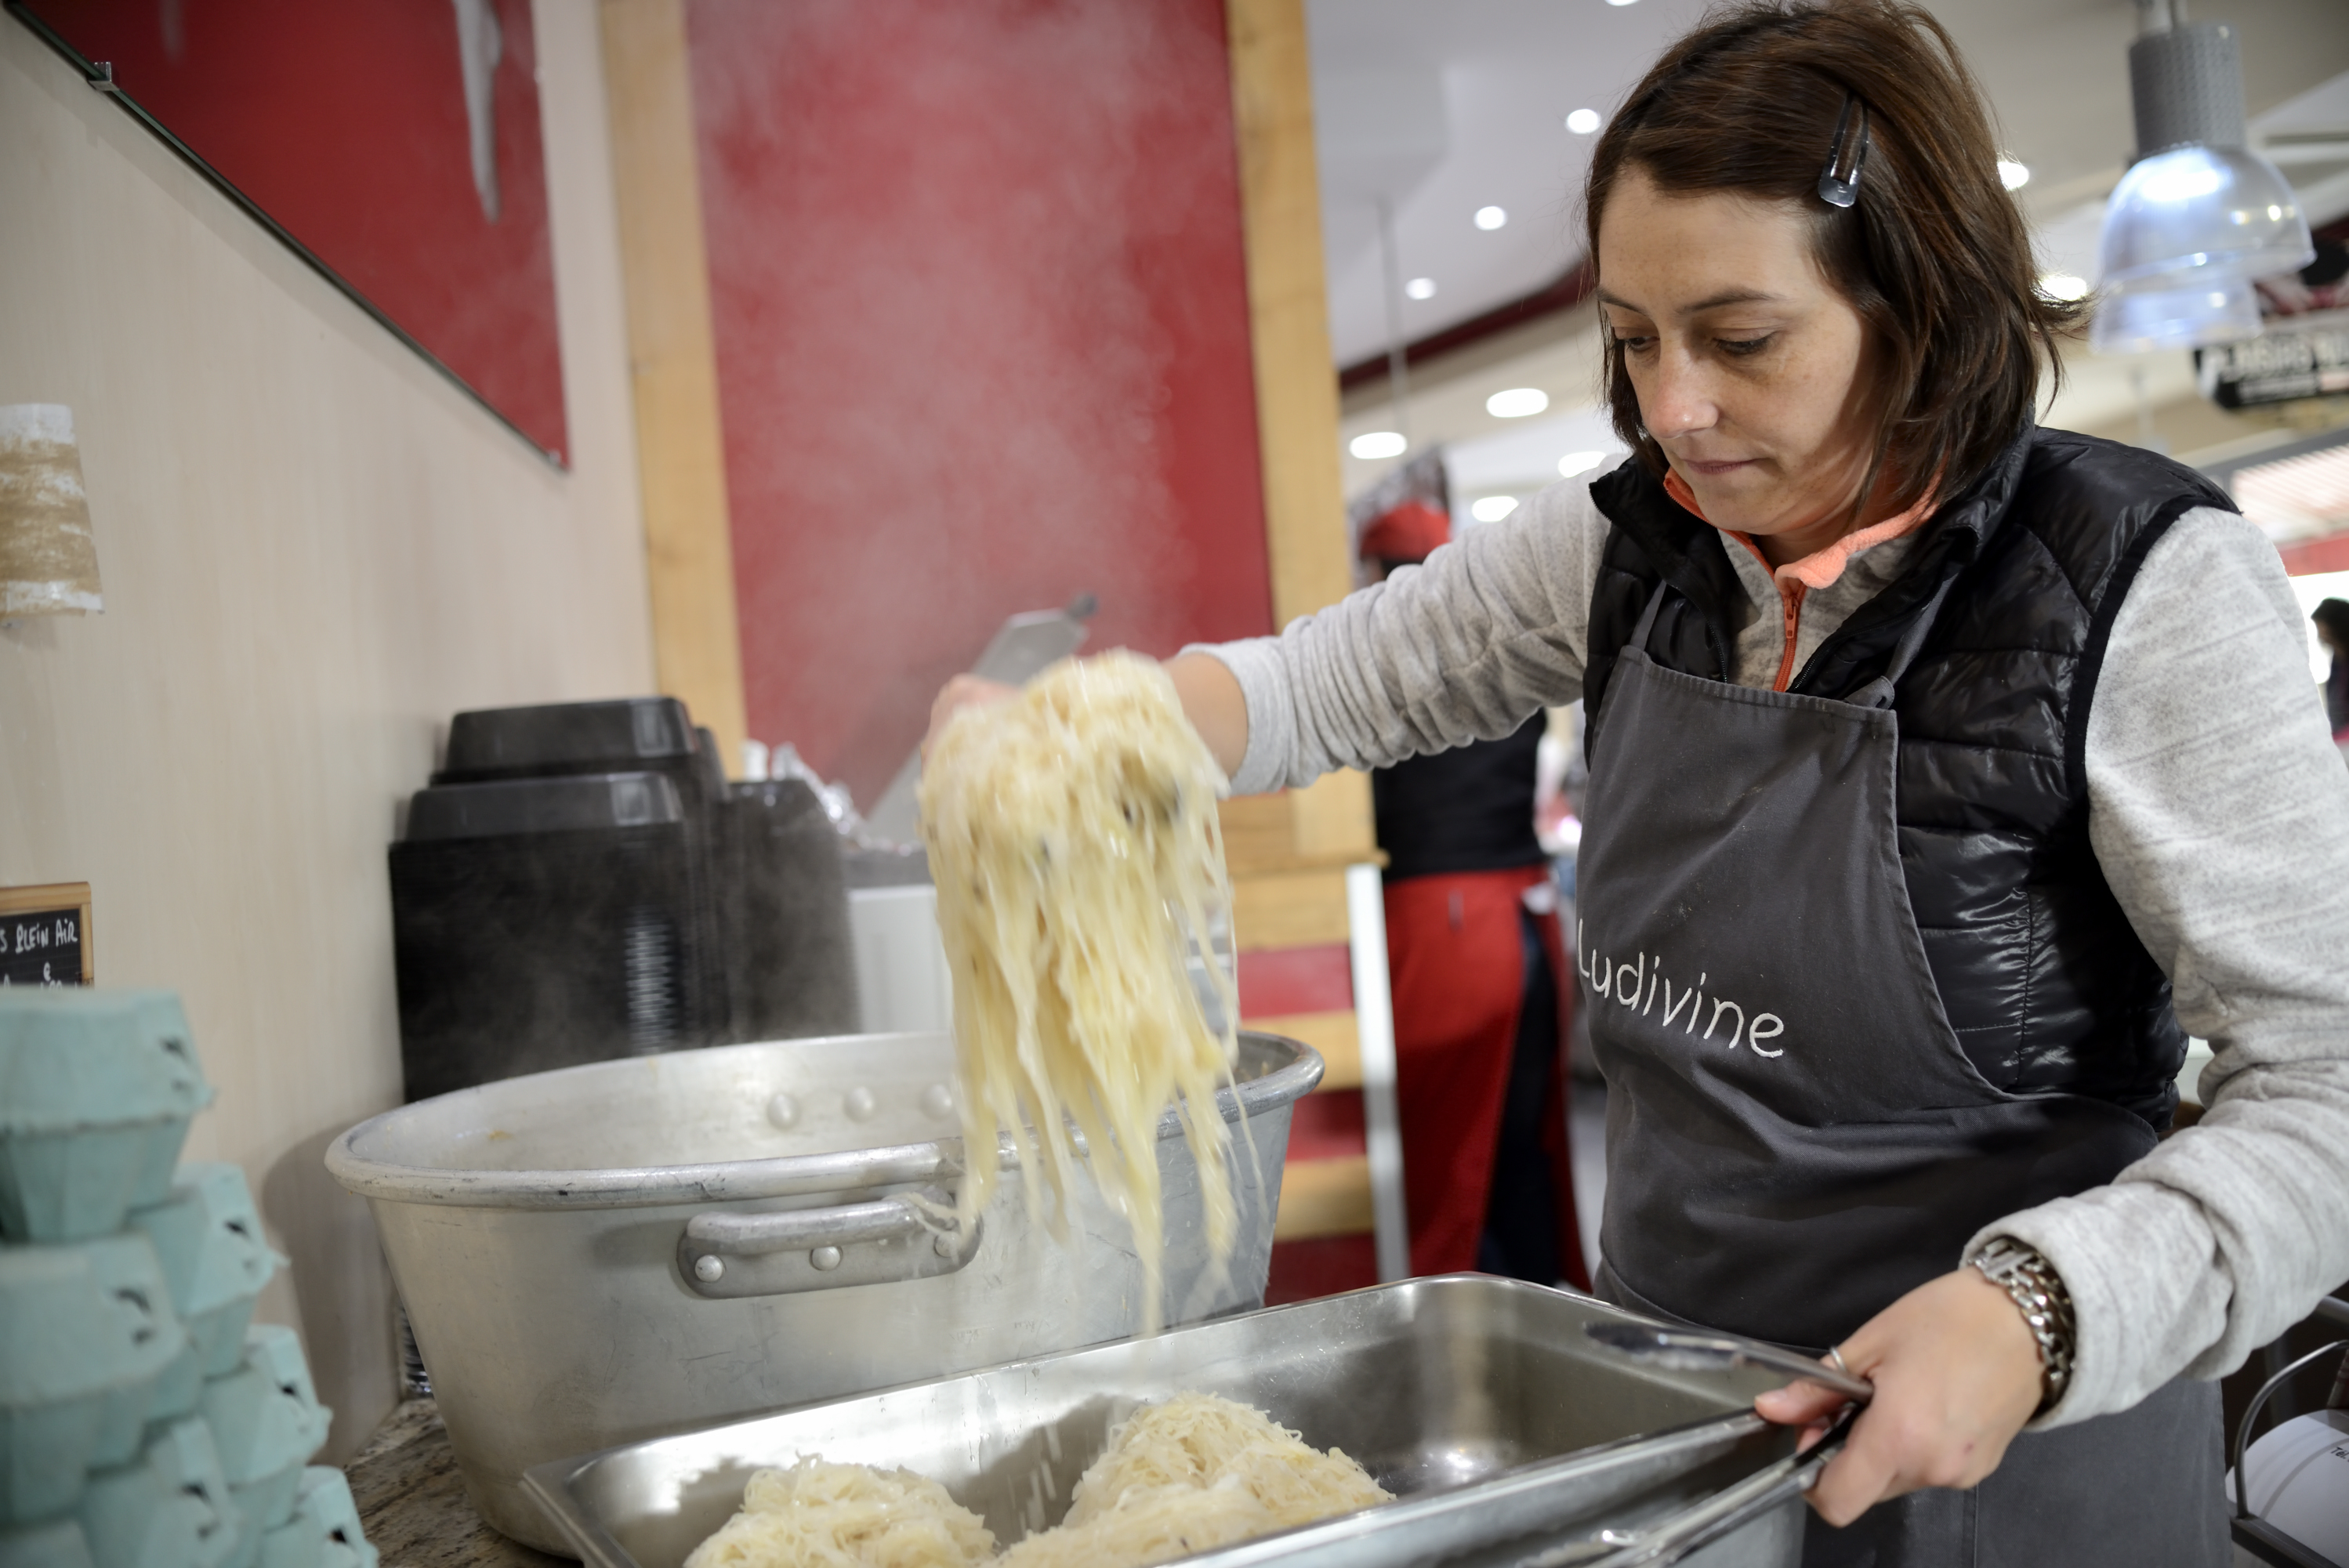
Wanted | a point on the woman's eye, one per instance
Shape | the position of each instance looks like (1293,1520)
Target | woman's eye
(1741,347)
(1636,345)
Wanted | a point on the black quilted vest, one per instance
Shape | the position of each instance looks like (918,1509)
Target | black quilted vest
(2043,977)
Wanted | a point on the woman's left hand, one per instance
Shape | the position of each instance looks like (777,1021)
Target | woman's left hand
(1957,1375)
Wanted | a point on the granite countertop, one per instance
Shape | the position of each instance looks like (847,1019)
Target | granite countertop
(411,1500)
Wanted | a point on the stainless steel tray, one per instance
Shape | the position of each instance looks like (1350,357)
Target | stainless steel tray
(1506,1436)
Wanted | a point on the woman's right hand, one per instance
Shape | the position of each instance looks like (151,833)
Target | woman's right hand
(963,691)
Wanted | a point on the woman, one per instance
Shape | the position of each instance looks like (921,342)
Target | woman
(1915,829)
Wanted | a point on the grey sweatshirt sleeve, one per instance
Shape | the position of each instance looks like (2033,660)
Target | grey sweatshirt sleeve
(2219,810)
(1461,649)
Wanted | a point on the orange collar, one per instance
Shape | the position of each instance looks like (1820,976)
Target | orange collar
(1821,567)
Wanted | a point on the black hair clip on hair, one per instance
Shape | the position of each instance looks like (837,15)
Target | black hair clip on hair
(1846,154)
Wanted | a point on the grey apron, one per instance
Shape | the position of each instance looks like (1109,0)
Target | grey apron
(1795,1138)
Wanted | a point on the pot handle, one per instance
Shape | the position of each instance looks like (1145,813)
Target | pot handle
(796,1230)
(727,1254)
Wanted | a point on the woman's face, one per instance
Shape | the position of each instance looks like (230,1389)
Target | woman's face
(1753,373)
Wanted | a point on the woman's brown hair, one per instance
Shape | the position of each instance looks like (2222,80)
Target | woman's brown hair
(1934,254)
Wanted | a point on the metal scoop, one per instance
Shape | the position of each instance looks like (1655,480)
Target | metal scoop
(1692,1350)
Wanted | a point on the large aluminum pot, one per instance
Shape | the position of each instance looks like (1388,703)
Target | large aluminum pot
(607,1253)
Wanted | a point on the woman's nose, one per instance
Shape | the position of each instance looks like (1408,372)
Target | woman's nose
(1679,401)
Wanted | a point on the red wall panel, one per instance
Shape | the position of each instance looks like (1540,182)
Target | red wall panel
(346,123)
(982,341)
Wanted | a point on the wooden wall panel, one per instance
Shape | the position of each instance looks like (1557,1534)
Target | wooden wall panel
(1301,909)
(1289,884)
(1334,1034)
(1296,383)
(681,451)
(1323,1198)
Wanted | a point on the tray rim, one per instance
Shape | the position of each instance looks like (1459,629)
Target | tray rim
(549,1485)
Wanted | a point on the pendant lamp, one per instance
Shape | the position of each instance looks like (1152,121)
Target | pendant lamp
(2199,215)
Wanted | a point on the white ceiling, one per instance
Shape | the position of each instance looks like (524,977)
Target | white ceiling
(1448,106)
(1498,78)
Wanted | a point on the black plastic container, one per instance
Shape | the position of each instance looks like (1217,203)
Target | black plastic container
(794,968)
(624,735)
(579,883)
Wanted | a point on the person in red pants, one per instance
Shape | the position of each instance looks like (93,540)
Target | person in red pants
(1475,959)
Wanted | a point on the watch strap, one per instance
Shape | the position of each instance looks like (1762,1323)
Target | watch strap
(2037,1291)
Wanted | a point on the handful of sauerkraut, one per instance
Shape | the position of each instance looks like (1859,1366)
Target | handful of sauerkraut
(819,1515)
(1074,838)
(1189,1475)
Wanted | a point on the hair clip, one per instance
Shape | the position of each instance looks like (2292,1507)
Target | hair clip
(1846,154)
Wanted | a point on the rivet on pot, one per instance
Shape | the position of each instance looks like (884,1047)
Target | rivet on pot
(945,1244)
(710,1268)
(783,1110)
(937,1102)
(860,1104)
(825,1259)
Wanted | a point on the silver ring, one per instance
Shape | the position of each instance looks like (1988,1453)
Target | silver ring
(1834,1355)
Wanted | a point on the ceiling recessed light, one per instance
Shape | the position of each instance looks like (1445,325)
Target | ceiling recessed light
(1420,288)
(1622,1)
(1377,444)
(2062,286)
(2013,175)
(1491,217)
(1493,507)
(1575,463)
(1516,402)
(1582,121)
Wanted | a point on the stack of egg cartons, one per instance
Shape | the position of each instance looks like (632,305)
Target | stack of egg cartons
(144,1422)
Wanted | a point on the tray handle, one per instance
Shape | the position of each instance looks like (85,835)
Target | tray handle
(1726,1510)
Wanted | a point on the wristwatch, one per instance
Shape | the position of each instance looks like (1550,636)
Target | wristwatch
(2038,1293)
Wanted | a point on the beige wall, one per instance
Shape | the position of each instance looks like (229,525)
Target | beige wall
(314,551)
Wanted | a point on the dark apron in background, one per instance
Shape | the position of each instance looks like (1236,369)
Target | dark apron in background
(1480,1082)
(1478,993)
(1795,1138)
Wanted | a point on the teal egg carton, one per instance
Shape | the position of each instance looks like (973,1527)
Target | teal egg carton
(265,1420)
(56,1544)
(209,1238)
(171,1508)
(91,1334)
(324,1531)
(97,1088)
(127,1268)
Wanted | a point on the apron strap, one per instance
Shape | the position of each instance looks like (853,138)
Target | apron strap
(1647,619)
(1878,692)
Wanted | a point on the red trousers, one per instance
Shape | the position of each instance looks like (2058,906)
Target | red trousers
(1455,955)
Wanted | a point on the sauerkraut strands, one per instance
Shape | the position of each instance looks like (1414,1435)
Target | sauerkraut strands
(1179,1478)
(1073,838)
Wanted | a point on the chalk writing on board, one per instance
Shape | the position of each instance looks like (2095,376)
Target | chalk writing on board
(41,947)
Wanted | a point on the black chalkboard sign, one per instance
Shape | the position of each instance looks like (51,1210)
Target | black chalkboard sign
(44,937)
(2290,360)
